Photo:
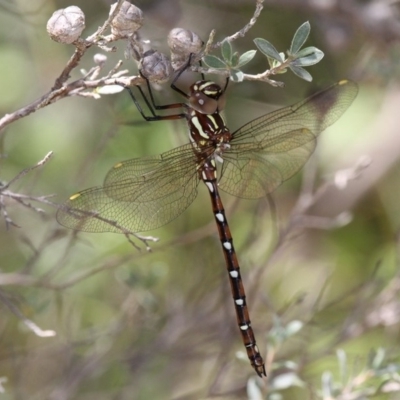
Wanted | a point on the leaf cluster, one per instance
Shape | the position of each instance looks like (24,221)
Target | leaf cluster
(296,58)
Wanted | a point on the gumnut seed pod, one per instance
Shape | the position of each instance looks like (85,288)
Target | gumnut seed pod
(128,20)
(182,43)
(66,25)
(155,66)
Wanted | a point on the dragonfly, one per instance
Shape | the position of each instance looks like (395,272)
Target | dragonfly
(145,193)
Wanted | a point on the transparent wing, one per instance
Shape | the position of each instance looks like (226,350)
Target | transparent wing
(151,178)
(137,195)
(146,193)
(252,173)
(271,149)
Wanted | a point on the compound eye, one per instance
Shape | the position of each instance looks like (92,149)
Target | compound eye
(204,104)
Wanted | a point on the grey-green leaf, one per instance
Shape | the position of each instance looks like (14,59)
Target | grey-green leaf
(268,49)
(109,89)
(327,385)
(307,51)
(342,361)
(286,380)
(311,59)
(226,50)
(301,73)
(293,327)
(236,75)
(246,58)
(214,62)
(253,390)
(378,358)
(300,37)
(235,59)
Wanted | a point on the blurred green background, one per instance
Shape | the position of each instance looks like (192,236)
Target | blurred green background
(160,325)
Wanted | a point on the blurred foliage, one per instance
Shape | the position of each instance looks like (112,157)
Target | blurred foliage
(323,295)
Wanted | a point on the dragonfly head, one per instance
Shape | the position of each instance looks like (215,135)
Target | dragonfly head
(206,97)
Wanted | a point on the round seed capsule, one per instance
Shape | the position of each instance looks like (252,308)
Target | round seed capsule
(128,20)
(184,42)
(155,66)
(66,25)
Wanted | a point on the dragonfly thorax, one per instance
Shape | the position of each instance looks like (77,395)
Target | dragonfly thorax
(208,131)
(206,97)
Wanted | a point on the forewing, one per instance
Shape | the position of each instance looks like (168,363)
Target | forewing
(271,149)
(315,114)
